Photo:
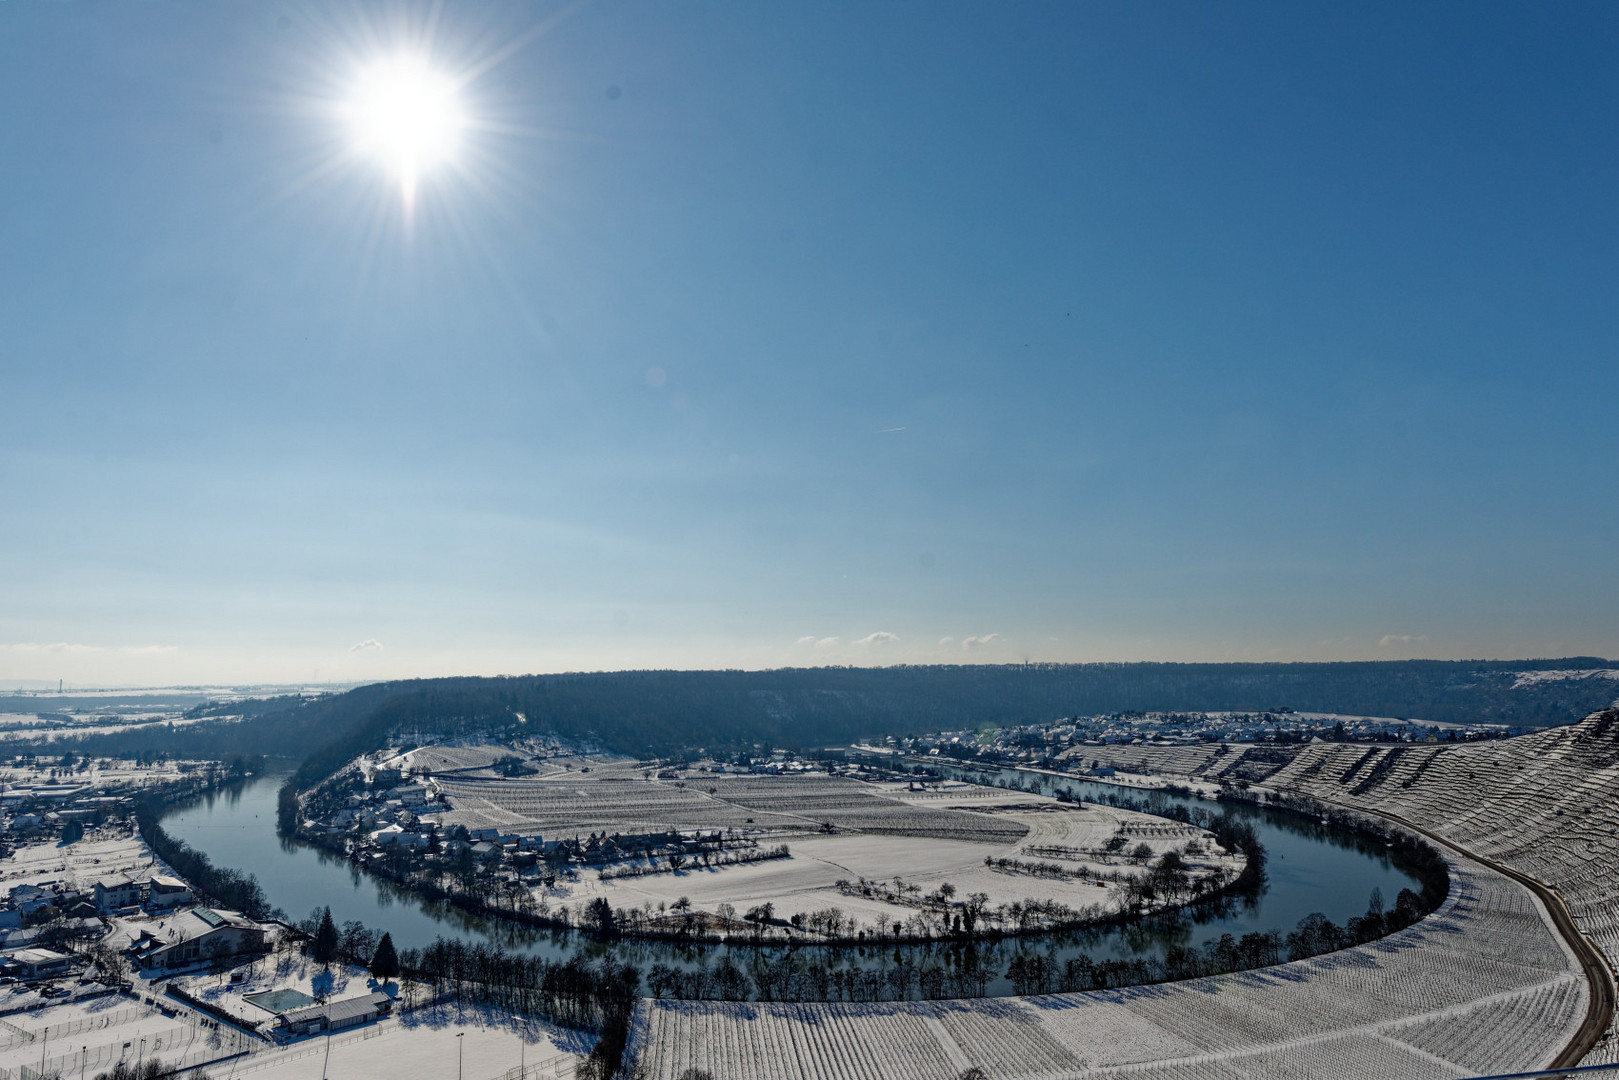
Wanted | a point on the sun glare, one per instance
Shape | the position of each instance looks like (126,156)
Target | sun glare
(408,116)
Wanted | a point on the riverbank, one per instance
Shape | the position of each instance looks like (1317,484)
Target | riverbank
(1309,869)
(894,880)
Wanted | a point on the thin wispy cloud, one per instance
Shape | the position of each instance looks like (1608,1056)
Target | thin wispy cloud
(74,648)
(807,639)
(978,641)
(366,646)
(1400,639)
(880,637)
(827,643)
(947,641)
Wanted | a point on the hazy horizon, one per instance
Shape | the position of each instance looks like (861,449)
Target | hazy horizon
(722,336)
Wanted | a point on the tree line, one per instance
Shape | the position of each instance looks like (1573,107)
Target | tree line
(667,713)
(228,888)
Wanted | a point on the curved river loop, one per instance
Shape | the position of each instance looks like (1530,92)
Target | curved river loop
(1310,867)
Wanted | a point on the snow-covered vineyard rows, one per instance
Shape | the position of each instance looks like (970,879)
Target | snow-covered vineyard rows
(573,803)
(579,804)
(1545,804)
(1483,981)
(854,804)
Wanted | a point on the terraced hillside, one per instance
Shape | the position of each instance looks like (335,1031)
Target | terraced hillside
(1482,985)
(1545,805)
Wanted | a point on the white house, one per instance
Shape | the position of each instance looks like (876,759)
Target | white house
(119,891)
(167,892)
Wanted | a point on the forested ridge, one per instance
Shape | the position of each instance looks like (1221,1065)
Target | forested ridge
(660,712)
(663,712)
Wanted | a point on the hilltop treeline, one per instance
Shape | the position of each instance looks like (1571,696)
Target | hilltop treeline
(666,712)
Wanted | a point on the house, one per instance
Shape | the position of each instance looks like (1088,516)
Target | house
(334,1015)
(31,965)
(31,898)
(117,892)
(396,834)
(167,892)
(198,934)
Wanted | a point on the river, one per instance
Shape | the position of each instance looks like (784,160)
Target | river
(1311,868)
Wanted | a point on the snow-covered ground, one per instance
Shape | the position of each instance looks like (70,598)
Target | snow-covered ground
(278,971)
(472,1043)
(1482,985)
(807,881)
(102,852)
(86,1037)
(1546,804)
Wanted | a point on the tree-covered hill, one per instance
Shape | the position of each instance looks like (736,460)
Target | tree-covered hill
(660,712)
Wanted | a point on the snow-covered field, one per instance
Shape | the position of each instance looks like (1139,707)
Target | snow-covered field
(105,775)
(621,799)
(101,853)
(808,880)
(1483,984)
(435,1042)
(90,1036)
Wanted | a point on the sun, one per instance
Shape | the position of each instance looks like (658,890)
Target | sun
(406,115)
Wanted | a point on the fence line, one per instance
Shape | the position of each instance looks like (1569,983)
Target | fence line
(265,1058)
(11,1043)
(71,1027)
(161,1044)
(544,1069)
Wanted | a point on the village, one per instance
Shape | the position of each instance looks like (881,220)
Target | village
(109,961)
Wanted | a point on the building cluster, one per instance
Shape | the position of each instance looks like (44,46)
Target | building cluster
(46,806)
(389,823)
(123,892)
(1034,743)
(80,811)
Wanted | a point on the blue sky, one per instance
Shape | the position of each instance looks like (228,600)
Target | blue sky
(744,335)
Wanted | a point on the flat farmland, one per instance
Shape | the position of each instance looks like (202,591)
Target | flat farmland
(883,832)
(854,804)
(574,803)
(563,806)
